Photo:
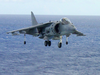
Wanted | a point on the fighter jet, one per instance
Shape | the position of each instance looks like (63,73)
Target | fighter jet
(51,30)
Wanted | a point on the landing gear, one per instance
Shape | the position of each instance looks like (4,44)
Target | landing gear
(66,40)
(47,43)
(24,39)
(66,43)
(59,45)
(24,42)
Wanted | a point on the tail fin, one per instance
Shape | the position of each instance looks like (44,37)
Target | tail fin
(34,22)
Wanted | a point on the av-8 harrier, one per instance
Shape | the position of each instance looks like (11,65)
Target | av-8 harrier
(50,30)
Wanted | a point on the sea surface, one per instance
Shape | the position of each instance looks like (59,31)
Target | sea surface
(80,57)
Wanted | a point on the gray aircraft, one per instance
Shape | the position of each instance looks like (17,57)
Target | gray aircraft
(50,30)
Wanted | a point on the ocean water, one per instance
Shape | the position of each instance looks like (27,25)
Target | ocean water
(80,57)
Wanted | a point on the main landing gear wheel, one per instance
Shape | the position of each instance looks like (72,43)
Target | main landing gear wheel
(59,45)
(47,43)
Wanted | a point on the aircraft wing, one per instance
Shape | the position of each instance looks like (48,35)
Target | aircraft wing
(28,29)
(78,33)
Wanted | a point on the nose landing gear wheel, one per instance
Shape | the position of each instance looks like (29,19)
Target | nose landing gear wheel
(59,45)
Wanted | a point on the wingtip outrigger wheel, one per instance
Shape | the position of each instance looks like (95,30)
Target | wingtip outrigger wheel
(66,43)
(24,39)
(24,42)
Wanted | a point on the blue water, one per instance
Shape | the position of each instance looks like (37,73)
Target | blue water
(80,57)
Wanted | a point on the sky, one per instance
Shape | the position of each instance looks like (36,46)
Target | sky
(50,7)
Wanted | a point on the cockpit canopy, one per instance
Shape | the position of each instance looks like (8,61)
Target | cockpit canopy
(65,21)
